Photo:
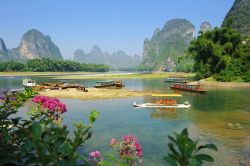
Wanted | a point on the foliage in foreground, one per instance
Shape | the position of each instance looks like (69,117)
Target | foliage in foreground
(222,53)
(46,64)
(39,139)
(186,152)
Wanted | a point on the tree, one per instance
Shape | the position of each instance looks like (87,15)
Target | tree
(220,53)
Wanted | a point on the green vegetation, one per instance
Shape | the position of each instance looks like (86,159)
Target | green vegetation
(222,54)
(185,151)
(40,138)
(46,64)
(238,17)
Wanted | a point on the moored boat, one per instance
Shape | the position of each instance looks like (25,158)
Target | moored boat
(109,83)
(177,79)
(188,87)
(29,82)
(101,84)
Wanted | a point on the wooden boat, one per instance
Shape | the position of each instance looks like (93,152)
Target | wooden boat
(162,104)
(29,82)
(101,84)
(153,105)
(109,83)
(177,79)
(188,87)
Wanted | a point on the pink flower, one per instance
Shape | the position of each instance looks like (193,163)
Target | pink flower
(95,154)
(129,148)
(112,142)
(53,104)
(95,157)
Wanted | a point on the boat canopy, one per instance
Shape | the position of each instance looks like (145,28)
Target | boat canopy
(166,95)
(107,81)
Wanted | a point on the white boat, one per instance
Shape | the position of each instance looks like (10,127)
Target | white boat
(29,83)
(153,105)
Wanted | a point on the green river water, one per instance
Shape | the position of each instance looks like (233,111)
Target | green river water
(221,116)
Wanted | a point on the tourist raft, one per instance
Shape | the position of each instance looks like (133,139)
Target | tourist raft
(164,103)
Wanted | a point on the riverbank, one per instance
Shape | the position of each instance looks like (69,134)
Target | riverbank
(93,75)
(123,75)
(230,85)
(42,73)
(94,93)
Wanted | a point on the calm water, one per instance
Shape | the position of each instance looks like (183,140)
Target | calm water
(222,116)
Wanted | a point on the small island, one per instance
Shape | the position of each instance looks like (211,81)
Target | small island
(93,93)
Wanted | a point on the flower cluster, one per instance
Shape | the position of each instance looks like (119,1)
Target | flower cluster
(95,157)
(53,104)
(128,148)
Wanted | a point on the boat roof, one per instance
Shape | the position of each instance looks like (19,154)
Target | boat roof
(104,81)
(165,95)
(176,78)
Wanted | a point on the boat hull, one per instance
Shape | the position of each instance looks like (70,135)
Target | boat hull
(153,105)
(191,90)
(103,86)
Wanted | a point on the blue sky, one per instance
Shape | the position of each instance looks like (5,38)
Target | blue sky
(111,24)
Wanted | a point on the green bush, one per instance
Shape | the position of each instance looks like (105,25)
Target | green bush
(39,139)
(186,152)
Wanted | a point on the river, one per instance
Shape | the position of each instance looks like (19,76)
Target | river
(221,116)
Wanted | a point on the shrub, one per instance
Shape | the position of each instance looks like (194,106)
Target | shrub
(40,139)
(185,152)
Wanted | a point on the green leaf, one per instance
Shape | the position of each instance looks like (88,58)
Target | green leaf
(93,116)
(15,120)
(204,157)
(36,130)
(195,162)
(208,146)
(27,146)
(171,161)
(184,132)
(172,139)
(105,163)
(171,147)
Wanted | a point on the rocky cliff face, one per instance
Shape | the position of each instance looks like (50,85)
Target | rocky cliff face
(3,50)
(205,26)
(117,60)
(33,45)
(167,44)
(238,17)
(2,46)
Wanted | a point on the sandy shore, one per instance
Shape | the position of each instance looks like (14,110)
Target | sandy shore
(94,93)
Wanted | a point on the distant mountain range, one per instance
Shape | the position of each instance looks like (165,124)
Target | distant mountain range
(238,17)
(33,45)
(162,51)
(116,60)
